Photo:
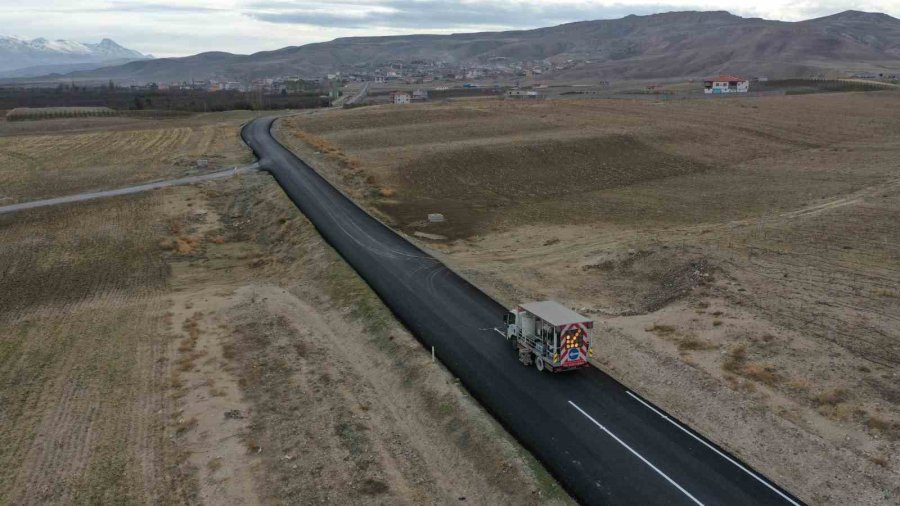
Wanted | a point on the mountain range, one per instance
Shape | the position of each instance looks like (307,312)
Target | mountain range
(23,58)
(667,45)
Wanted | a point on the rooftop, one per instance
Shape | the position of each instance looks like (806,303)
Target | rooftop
(554,313)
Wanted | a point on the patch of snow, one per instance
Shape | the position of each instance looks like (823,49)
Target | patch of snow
(18,52)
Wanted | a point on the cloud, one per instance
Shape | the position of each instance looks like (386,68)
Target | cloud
(798,10)
(120,6)
(442,14)
(147,7)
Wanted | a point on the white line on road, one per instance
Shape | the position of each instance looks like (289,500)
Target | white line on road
(713,448)
(638,455)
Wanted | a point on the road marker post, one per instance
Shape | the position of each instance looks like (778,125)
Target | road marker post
(432,354)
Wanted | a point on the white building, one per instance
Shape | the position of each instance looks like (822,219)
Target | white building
(517,93)
(474,73)
(726,84)
(400,97)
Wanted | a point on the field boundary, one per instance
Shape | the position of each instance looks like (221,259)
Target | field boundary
(128,190)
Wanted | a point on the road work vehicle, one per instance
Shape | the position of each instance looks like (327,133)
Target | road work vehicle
(550,336)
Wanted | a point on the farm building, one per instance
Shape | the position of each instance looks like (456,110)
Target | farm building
(726,84)
(400,97)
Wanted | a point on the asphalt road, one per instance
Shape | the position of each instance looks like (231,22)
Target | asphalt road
(602,442)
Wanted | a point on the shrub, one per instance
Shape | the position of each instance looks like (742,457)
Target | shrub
(762,373)
(39,113)
(831,397)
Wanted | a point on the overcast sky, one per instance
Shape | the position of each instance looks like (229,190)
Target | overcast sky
(183,27)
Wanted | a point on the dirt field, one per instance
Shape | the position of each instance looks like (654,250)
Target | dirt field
(49,158)
(178,347)
(741,255)
(83,358)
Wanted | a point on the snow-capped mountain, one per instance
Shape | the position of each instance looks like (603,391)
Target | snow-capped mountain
(19,53)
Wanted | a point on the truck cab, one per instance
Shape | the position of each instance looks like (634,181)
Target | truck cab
(550,336)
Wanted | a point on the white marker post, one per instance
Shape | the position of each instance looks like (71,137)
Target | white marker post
(432,354)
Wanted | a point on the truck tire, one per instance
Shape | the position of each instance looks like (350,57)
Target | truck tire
(539,364)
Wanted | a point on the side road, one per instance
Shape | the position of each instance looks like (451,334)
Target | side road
(80,197)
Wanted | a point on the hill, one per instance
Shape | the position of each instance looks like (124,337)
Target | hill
(675,44)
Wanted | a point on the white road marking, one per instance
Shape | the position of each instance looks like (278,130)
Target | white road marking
(713,448)
(638,455)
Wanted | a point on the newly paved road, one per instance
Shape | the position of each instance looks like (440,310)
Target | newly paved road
(603,443)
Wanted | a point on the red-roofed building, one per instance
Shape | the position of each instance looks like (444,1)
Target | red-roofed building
(726,84)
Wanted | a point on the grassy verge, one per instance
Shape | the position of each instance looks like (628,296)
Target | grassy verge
(384,356)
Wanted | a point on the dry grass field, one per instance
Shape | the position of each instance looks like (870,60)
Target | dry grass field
(741,255)
(50,158)
(83,369)
(176,347)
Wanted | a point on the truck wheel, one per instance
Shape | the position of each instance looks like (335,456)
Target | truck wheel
(539,364)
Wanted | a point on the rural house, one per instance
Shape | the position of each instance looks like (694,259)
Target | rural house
(726,84)
(517,93)
(400,97)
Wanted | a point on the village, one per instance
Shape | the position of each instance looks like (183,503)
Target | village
(428,73)
(407,83)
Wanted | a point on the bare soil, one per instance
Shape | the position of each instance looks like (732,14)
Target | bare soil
(741,256)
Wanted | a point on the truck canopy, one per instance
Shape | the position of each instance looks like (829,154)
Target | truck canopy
(554,313)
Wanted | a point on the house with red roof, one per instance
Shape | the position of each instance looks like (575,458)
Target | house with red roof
(726,84)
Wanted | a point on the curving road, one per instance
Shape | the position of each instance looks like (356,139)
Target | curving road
(604,444)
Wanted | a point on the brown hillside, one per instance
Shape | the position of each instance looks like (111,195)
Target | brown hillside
(674,44)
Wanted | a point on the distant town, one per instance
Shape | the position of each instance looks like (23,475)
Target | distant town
(507,76)
(414,72)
